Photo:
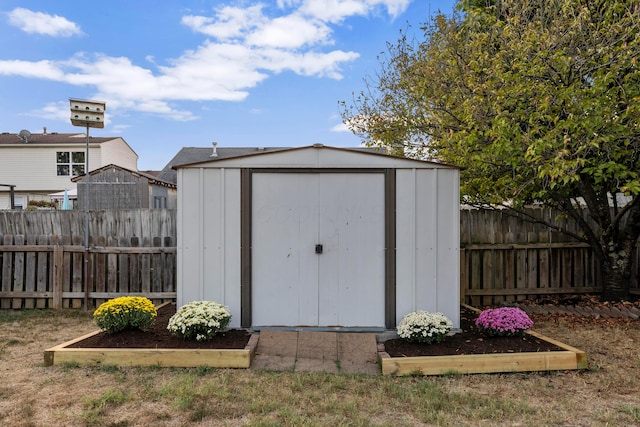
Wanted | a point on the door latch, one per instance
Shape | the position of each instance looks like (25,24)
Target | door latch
(318,249)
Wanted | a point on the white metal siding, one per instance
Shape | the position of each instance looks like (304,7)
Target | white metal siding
(427,242)
(221,239)
(292,285)
(209,238)
(448,281)
(190,210)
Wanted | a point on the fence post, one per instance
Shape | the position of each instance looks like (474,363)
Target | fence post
(7,268)
(58,270)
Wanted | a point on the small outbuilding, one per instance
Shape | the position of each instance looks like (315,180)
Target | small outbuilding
(115,187)
(319,237)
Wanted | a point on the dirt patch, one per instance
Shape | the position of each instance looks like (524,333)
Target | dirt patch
(469,341)
(159,337)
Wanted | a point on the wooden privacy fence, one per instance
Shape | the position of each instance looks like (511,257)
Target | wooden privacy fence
(502,259)
(49,271)
(43,263)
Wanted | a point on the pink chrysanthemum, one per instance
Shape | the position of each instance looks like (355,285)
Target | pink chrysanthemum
(505,321)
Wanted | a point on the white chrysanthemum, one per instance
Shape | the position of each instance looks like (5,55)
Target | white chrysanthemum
(199,320)
(425,327)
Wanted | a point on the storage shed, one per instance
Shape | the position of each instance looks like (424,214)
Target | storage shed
(115,187)
(319,237)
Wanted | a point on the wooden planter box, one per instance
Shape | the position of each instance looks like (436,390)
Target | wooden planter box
(568,358)
(183,358)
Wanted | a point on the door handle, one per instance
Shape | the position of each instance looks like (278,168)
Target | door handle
(318,249)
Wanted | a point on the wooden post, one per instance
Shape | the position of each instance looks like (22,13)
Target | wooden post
(7,268)
(42,270)
(58,276)
(18,271)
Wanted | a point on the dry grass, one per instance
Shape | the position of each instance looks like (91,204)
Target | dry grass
(31,394)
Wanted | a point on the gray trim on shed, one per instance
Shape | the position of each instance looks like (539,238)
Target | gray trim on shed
(246,213)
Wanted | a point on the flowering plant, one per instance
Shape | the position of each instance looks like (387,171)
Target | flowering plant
(505,321)
(199,320)
(123,313)
(424,327)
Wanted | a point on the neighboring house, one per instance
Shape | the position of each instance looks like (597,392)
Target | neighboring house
(115,187)
(41,164)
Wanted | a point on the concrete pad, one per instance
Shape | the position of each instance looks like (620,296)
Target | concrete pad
(304,351)
(277,343)
(317,345)
(274,363)
(358,353)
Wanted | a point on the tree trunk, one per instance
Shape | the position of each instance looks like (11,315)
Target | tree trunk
(616,271)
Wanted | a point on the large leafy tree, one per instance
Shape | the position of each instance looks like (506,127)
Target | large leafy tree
(539,102)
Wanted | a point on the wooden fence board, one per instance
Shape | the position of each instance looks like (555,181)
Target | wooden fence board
(112,266)
(100,268)
(66,269)
(510,274)
(156,266)
(543,268)
(123,268)
(475,274)
(145,267)
(18,271)
(134,263)
(42,276)
(77,279)
(169,265)
(30,271)
(7,268)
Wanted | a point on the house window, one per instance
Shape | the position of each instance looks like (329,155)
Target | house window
(70,163)
(159,202)
(18,203)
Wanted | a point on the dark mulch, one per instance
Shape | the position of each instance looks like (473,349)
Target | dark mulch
(159,337)
(469,341)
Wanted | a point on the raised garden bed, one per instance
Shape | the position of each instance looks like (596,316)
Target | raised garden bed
(554,356)
(155,348)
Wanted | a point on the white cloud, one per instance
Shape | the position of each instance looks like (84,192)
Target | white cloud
(54,111)
(245,46)
(337,10)
(307,63)
(44,69)
(290,32)
(340,128)
(228,22)
(42,23)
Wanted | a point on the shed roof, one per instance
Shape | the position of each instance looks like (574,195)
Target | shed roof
(190,155)
(315,156)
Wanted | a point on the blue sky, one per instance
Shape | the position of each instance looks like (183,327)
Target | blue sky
(184,73)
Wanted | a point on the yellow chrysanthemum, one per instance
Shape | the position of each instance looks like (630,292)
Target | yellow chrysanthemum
(122,313)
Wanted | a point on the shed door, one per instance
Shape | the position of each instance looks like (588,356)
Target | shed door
(292,284)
